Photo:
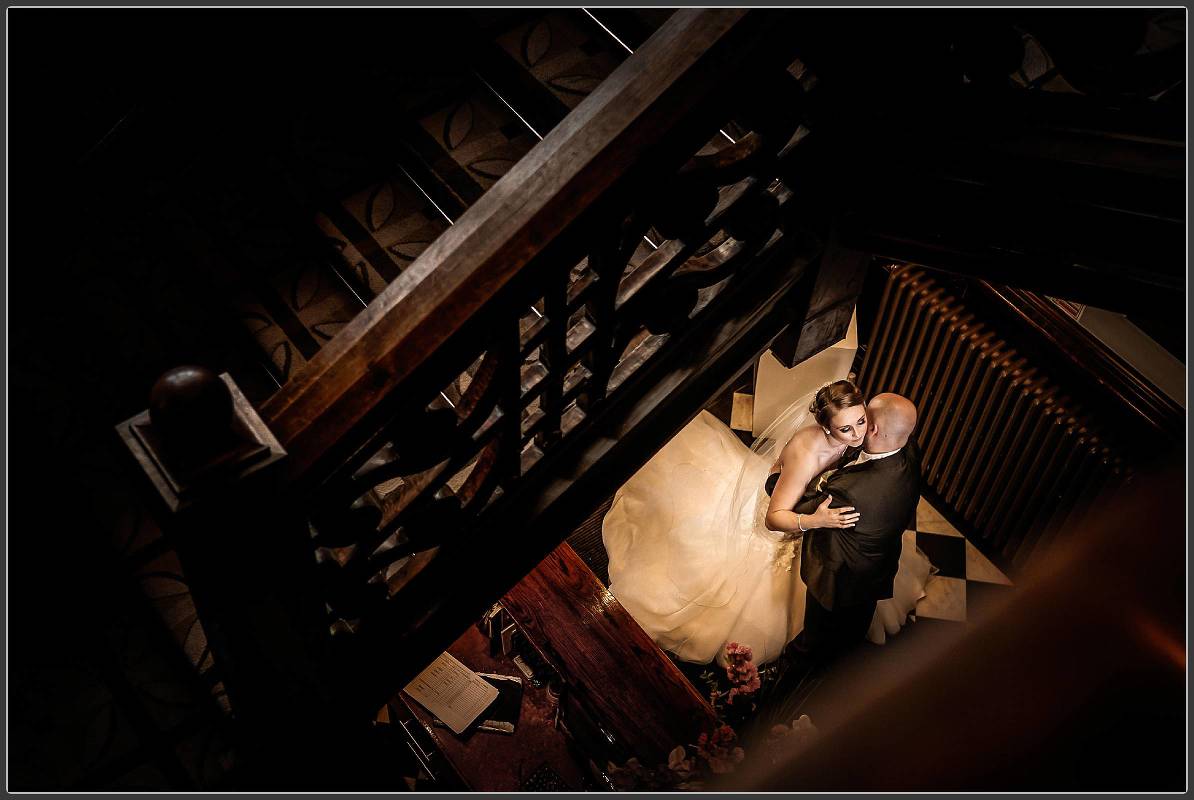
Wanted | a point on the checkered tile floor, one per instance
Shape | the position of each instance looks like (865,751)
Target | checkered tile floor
(963,576)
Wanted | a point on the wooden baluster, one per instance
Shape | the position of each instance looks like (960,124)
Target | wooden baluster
(608,260)
(554,354)
(508,345)
(601,358)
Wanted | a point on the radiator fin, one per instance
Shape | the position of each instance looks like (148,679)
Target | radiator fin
(1004,447)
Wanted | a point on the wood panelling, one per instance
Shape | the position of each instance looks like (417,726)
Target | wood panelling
(606,658)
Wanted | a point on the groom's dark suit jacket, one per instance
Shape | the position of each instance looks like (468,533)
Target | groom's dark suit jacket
(845,567)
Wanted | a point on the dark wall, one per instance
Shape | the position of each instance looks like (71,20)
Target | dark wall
(111,281)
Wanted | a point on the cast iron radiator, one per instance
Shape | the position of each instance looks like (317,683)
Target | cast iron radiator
(1004,447)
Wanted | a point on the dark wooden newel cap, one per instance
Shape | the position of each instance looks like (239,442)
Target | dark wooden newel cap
(190,405)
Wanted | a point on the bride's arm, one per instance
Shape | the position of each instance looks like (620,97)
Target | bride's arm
(794,476)
(800,465)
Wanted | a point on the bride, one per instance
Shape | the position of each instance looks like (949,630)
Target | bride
(690,553)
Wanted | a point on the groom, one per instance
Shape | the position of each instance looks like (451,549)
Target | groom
(847,571)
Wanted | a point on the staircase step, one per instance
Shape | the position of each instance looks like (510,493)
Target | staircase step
(380,230)
(563,54)
(629,28)
(483,136)
(337,215)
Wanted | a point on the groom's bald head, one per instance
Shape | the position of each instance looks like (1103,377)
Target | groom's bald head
(892,418)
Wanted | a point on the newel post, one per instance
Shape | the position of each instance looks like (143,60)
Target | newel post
(824,320)
(199,438)
(211,469)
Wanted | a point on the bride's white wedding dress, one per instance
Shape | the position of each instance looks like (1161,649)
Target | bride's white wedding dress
(696,573)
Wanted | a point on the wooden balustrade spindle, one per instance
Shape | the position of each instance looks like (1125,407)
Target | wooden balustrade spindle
(554,355)
(606,265)
(507,341)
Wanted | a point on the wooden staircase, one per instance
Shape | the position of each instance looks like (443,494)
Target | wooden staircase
(312,235)
(529,379)
(473,322)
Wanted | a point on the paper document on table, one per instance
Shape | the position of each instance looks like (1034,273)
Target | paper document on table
(452,692)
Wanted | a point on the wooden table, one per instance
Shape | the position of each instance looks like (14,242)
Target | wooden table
(605,659)
(497,762)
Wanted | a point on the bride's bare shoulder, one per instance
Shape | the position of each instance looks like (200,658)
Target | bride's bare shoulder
(808,440)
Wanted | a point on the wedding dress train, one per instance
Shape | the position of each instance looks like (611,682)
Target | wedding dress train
(696,573)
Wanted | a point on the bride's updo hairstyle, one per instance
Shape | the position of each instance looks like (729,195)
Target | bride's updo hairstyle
(833,398)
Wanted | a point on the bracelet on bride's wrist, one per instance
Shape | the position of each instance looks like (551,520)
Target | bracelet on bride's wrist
(798,525)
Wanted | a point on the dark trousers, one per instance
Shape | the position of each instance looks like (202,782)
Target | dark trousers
(827,634)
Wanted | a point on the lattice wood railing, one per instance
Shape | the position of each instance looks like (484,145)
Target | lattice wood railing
(544,346)
(534,356)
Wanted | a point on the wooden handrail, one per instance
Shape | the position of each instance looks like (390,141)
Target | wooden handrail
(645,102)
(1123,386)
